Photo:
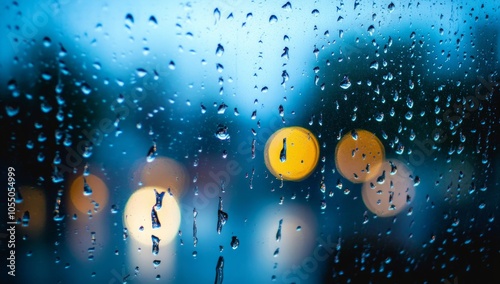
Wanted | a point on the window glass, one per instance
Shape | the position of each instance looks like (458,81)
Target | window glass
(250,141)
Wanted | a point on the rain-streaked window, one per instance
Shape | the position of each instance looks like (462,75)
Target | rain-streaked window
(249,142)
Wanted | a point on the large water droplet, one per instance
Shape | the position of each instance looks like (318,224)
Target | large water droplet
(345,84)
(222,132)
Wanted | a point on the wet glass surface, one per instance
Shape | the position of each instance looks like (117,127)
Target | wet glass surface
(250,142)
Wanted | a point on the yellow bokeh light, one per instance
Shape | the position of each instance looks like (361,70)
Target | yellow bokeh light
(162,172)
(393,195)
(301,155)
(360,159)
(137,216)
(84,203)
(34,201)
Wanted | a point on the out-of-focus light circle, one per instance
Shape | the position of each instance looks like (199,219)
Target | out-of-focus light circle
(138,221)
(95,202)
(359,156)
(292,159)
(389,197)
(295,241)
(35,203)
(163,172)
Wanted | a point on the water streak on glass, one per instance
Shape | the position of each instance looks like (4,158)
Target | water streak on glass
(195,228)
(156,244)
(221,217)
(154,219)
(219,270)
(159,199)
(283,152)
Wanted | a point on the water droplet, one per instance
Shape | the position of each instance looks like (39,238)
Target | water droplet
(287,7)
(254,114)
(222,132)
(381,178)
(220,50)
(281,111)
(47,41)
(46,76)
(276,252)
(86,90)
(219,270)
(87,190)
(221,217)
(222,108)
(159,198)
(345,84)
(354,134)
(156,244)
(150,157)
(391,7)
(235,242)
(154,219)
(216,15)
(171,65)
(129,21)
(26,218)
(152,21)
(141,72)
(371,29)
(278,233)
(11,111)
(283,152)
(285,53)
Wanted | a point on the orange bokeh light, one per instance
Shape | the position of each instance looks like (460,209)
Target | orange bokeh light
(35,202)
(393,195)
(83,203)
(360,159)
